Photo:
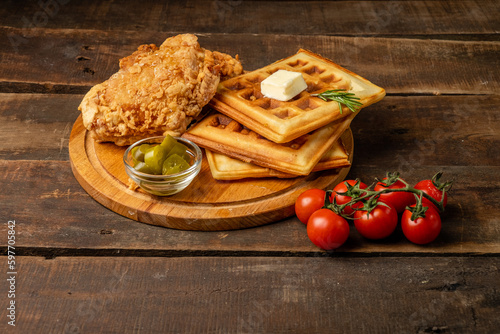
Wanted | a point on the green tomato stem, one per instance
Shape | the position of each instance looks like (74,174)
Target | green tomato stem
(369,194)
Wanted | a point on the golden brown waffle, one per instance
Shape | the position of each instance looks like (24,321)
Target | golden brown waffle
(221,134)
(241,99)
(223,167)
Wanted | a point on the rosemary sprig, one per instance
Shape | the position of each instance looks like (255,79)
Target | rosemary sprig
(341,96)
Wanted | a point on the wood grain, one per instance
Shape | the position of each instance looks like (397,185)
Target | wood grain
(71,61)
(256,295)
(84,269)
(48,203)
(399,130)
(366,18)
(36,178)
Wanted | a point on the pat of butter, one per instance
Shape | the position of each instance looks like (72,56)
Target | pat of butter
(283,85)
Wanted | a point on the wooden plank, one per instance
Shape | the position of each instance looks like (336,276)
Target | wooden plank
(396,132)
(368,18)
(36,178)
(37,126)
(56,216)
(401,132)
(71,61)
(255,295)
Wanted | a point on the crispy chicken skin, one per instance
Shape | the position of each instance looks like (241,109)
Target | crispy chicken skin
(158,90)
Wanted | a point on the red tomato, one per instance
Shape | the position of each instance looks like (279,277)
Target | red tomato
(428,187)
(424,229)
(327,230)
(379,223)
(399,200)
(342,199)
(309,201)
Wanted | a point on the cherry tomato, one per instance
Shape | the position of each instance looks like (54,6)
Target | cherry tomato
(309,201)
(327,230)
(342,199)
(399,200)
(428,187)
(423,229)
(377,223)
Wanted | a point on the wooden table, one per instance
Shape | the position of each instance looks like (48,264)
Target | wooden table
(81,268)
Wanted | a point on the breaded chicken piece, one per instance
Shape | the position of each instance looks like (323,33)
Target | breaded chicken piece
(157,91)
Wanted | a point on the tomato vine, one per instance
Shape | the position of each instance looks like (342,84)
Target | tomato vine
(369,195)
(374,209)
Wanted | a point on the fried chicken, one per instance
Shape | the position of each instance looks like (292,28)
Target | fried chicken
(157,91)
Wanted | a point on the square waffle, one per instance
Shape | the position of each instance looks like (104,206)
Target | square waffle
(221,134)
(223,167)
(241,99)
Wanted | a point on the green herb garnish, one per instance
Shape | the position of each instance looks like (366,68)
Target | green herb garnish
(342,97)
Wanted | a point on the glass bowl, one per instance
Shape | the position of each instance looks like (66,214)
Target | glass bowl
(164,185)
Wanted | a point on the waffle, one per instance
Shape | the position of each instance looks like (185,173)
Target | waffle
(221,134)
(223,167)
(241,99)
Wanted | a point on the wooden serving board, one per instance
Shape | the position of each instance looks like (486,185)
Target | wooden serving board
(206,204)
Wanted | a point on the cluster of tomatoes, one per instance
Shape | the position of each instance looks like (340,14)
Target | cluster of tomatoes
(374,210)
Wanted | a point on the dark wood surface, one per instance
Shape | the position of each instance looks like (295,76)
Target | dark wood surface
(83,269)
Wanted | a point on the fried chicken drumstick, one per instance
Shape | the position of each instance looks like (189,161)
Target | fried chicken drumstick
(157,91)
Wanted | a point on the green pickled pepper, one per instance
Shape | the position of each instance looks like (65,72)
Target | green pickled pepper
(169,157)
(174,164)
(181,150)
(168,143)
(154,158)
(143,168)
(138,152)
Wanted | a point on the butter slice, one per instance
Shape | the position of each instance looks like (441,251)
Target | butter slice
(283,85)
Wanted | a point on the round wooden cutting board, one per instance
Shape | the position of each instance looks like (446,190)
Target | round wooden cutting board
(206,204)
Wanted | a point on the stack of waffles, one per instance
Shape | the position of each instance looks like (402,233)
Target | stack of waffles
(250,135)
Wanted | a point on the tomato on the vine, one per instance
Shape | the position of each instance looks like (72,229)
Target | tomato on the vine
(435,189)
(327,230)
(351,188)
(399,199)
(376,222)
(423,229)
(428,187)
(308,202)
